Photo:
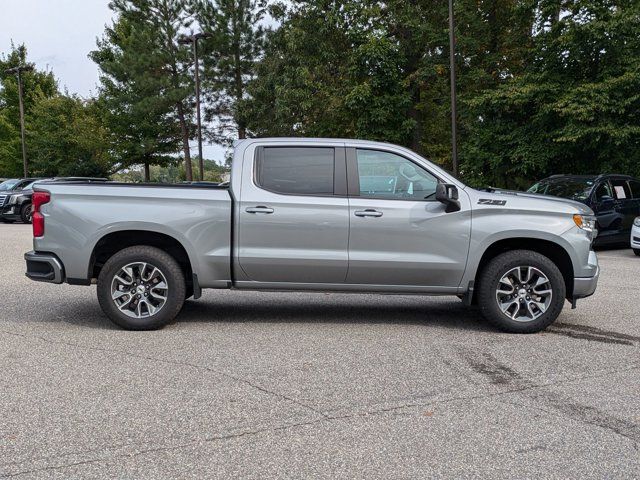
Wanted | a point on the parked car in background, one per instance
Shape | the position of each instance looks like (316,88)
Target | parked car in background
(8,189)
(615,199)
(635,236)
(15,184)
(16,205)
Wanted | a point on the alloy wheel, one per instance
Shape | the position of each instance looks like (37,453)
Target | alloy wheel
(139,289)
(524,293)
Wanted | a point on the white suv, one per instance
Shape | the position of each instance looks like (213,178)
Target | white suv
(635,236)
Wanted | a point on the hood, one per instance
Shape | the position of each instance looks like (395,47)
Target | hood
(536,201)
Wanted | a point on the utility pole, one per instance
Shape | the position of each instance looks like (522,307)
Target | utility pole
(193,38)
(452,68)
(18,71)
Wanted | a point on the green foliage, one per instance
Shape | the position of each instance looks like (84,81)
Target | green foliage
(37,85)
(545,86)
(145,84)
(575,108)
(213,172)
(229,59)
(67,138)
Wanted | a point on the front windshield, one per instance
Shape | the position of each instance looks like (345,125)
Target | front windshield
(28,186)
(571,188)
(9,184)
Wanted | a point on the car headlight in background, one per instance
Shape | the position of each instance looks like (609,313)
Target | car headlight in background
(636,222)
(13,199)
(585,222)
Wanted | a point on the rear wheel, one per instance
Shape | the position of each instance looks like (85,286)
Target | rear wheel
(521,291)
(141,288)
(26,213)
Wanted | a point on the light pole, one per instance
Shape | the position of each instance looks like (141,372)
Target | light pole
(193,38)
(18,71)
(452,68)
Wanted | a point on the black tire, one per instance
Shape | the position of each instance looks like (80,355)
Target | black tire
(167,265)
(25,213)
(637,251)
(488,286)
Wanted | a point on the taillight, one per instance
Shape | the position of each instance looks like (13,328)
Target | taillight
(39,199)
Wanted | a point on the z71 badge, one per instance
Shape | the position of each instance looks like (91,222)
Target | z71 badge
(488,201)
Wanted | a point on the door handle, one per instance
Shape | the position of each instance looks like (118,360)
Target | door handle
(259,209)
(369,212)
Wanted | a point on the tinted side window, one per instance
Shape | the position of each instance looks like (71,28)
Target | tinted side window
(635,188)
(621,189)
(603,190)
(296,170)
(386,175)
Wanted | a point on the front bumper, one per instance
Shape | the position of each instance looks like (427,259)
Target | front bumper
(586,286)
(635,237)
(10,212)
(44,267)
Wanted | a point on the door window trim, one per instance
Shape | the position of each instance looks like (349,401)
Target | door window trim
(353,176)
(597,186)
(339,171)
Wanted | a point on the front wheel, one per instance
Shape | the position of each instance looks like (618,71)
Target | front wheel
(26,213)
(637,251)
(521,291)
(141,288)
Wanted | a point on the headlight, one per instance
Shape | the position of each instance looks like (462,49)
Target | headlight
(585,222)
(13,199)
(636,222)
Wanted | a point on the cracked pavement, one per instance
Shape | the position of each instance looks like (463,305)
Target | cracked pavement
(312,385)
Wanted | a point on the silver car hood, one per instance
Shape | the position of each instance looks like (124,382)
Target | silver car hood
(537,201)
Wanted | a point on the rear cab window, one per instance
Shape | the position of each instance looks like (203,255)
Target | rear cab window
(296,170)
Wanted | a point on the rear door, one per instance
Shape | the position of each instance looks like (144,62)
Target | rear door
(293,215)
(634,185)
(624,205)
(400,235)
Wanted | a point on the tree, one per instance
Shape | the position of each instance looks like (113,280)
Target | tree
(36,85)
(229,59)
(379,70)
(574,108)
(145,84)
(67,138)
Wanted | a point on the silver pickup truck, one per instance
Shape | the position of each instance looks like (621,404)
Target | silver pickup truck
(318,215)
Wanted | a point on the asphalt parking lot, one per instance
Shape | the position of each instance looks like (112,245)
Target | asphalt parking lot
(265,385)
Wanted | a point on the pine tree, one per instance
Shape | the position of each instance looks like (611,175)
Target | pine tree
(230,58)
(145,84)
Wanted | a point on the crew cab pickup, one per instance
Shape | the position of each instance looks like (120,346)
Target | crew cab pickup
(318,215)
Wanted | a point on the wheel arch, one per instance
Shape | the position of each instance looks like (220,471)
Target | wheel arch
(113,242)
(552,250)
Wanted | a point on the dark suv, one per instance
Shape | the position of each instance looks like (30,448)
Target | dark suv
(15,202)
(615,199)
(9,191)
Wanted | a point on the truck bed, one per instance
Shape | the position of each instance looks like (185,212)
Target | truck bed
(80,214)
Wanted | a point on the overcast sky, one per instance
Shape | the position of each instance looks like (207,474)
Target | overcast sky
(59,34)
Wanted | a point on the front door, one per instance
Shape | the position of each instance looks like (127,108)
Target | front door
(400,235)
(604,206)
(293,221)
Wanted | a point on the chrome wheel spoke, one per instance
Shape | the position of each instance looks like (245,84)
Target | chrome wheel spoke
(524,293)
(134,292)
(118,294)
(123,281)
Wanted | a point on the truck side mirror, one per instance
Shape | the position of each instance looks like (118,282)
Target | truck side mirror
(447,193)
